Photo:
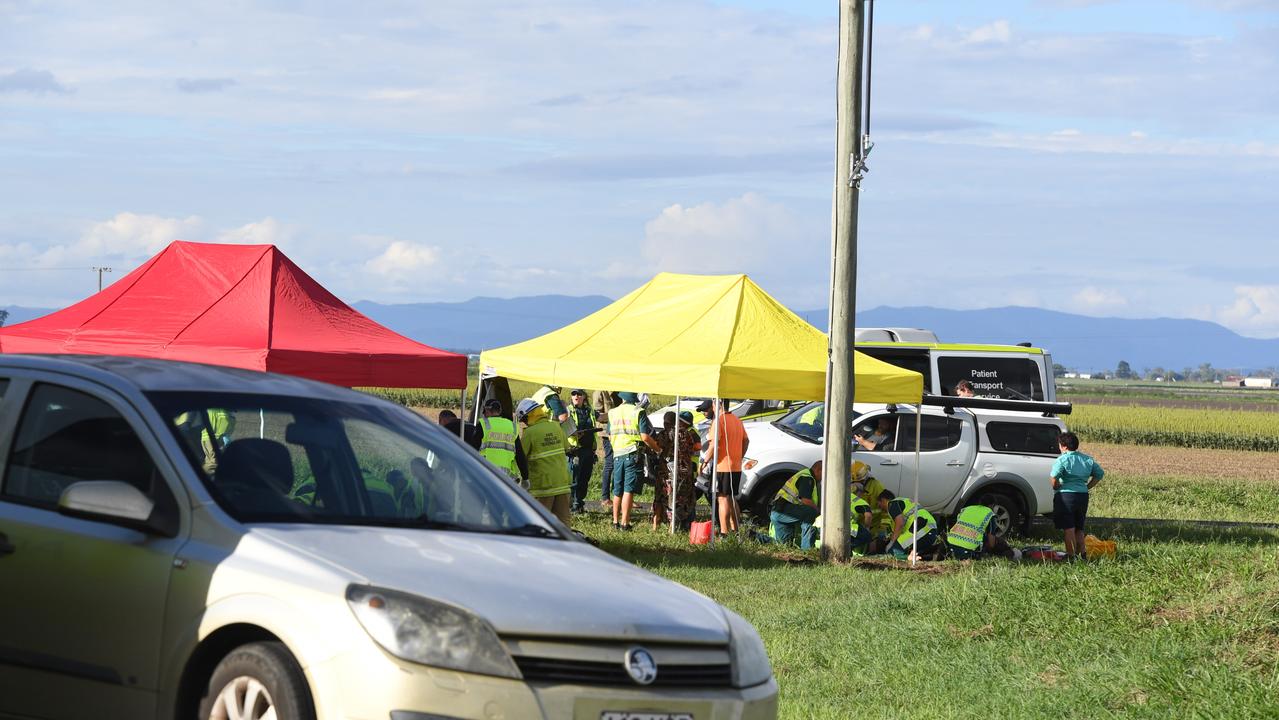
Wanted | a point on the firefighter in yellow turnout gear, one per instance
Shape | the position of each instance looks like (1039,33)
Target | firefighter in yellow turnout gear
(546,447)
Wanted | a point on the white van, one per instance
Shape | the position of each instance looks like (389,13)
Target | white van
(1010,372)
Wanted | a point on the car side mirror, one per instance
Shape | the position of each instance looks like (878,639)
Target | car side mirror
(115,502)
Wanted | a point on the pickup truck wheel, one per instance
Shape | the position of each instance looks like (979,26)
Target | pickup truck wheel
(758,506)
(1009,515)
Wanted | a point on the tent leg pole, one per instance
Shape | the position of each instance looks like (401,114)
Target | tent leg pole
(675,469)
(461,426)
(716,520)
(919,422)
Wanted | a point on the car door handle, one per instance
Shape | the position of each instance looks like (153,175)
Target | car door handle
(887,462)
(6,547)
(955,463)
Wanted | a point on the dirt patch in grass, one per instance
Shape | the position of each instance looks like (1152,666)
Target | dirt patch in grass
(984,631)
(1190,462)
(920,568)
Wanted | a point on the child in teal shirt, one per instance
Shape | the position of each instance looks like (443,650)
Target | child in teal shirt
(1073,475)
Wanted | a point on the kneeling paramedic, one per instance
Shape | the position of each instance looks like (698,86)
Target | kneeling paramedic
(796,507)
(971,537)
(914,528)
(544,441)
(863,540)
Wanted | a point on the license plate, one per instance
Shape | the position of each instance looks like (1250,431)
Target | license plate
(643,715)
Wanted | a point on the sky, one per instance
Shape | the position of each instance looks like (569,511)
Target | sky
(1105,158)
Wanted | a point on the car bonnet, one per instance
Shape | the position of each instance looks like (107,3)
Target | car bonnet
(522,586)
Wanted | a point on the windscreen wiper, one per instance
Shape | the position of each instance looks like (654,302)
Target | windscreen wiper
(793,432)
(528,530)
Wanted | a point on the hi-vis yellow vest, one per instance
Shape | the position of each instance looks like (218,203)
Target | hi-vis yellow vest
(498,444)
(911,511)
(970,527)
(623,429)
(790,491)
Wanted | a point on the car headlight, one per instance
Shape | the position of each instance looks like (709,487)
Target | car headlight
(429,632)
(750,659)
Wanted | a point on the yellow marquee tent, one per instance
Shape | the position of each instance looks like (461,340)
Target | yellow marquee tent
(699,335)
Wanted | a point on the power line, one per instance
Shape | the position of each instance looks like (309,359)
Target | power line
(31,269)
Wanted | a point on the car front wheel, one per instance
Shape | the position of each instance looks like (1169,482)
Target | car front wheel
(1009,515)
(259,681)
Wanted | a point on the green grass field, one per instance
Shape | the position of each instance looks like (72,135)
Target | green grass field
(1183,623)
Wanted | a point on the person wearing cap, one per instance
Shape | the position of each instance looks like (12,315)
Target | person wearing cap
(499,443)
(726,450)
(581,458)
(683,490)
(548,396)
(628,427)
(546,445)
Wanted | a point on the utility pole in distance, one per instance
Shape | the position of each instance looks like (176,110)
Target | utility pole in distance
(843,307)
(100,271)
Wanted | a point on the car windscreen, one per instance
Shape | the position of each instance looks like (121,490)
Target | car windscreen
(806,421)
(268,458)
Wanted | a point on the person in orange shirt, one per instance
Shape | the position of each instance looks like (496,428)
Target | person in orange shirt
(726,450)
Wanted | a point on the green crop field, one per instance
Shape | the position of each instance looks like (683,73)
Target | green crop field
(1178,427)
(452,399)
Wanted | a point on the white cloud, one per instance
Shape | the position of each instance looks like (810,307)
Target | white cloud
(1254,312)
(129,235)
(403,261)
(1094,299)
(999,31)
(267,231)
(742,233)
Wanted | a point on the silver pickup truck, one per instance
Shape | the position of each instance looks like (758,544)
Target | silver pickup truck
(997,458)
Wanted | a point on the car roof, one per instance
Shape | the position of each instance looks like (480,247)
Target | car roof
(154,375)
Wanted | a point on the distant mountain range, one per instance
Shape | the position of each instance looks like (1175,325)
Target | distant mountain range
(1079,342)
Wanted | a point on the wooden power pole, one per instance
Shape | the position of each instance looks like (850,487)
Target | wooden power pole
(843,307)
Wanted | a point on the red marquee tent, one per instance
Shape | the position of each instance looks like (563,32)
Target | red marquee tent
(245,306)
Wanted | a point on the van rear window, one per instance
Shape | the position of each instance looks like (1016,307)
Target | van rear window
(906,358)
(1011,378)
(1028,438)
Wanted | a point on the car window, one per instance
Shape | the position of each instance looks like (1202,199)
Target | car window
(66,436)
(1015,437)
(271,458)
(913,359)
(868,427)
(1010,378)
(937,433)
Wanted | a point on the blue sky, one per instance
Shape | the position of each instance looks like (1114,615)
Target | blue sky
(1106,158)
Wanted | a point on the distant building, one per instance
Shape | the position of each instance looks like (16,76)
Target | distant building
(1259,382)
